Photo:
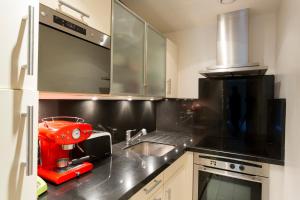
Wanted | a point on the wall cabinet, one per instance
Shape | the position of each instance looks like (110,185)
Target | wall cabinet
(156,63)
(138,55)
(127,52)
(175,182)
(98,10)
(171,69)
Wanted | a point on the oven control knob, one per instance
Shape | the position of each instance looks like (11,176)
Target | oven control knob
(232,166)
(241,167)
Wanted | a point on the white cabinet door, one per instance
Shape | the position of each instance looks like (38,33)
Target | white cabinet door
(174,187)
(155,64)
(171,69)
(159,195)
(98,10)
(179,179)
(18,144)
(19,44)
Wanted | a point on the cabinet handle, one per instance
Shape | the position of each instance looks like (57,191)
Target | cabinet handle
(169,193)
(30,131)
(63,3)
(153,187)
(30,54)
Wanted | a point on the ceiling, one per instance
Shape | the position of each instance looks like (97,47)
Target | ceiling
(174,15)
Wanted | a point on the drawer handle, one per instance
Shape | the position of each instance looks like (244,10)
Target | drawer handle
(153,187)
(169,193)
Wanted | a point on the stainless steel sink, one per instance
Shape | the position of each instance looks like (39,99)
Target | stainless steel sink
(151,149)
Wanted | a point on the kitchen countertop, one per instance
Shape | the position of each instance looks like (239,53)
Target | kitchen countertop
(125,172)
(121,175)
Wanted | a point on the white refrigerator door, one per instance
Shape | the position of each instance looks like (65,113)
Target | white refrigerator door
(19,44)
(18,144)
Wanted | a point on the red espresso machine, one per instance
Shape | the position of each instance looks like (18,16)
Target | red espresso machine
(57,137)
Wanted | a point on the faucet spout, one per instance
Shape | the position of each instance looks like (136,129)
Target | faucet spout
(130,139)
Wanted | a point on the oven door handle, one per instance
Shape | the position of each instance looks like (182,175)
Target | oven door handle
(247,177)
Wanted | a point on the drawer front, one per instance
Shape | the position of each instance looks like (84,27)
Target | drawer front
(159,195)
(150,189)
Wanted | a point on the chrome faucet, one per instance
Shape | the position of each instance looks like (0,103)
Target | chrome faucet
(130,139)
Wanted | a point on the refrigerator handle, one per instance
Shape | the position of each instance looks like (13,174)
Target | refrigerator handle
(30,132)
(30,40)
(30,52)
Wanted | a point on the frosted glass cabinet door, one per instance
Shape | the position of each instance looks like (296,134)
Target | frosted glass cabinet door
(156,64)
(127,52)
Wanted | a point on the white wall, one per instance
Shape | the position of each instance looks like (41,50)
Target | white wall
(275,42)
(197,49)
(285,183)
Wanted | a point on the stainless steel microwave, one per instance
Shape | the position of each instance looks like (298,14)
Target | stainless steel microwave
(73,57)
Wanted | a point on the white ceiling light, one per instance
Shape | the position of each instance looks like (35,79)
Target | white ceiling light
(226,1)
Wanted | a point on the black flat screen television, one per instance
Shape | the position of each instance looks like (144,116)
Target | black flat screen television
(240,115)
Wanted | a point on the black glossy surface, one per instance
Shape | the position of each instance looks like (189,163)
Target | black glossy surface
(125,173)
(195,117)
(213,186)
(122,175)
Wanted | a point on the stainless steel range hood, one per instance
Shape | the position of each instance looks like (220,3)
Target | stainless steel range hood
(232,47)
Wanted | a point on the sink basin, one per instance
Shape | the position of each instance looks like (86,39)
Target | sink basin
(151,149)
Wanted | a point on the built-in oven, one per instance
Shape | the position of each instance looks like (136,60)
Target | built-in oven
(222,178)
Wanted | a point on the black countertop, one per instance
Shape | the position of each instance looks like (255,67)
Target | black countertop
(121,175)
(125,172)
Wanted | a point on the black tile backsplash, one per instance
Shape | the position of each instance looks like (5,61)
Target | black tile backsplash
(189,117)
(115,116)
(177,115)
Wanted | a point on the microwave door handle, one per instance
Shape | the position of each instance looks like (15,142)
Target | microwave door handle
(63,3)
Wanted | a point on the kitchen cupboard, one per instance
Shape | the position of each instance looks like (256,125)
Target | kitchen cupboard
(19,34)
(128,44)
(175,182)
(99,12)
(19,99)
(173,187)
(19,123)
(171,69)
(159,195)
(156,63)
(138,55)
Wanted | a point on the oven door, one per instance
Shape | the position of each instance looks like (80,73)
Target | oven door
(215,184)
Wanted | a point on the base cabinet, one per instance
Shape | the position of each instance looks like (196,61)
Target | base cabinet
(159,195)
(175,183)
(174,186)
